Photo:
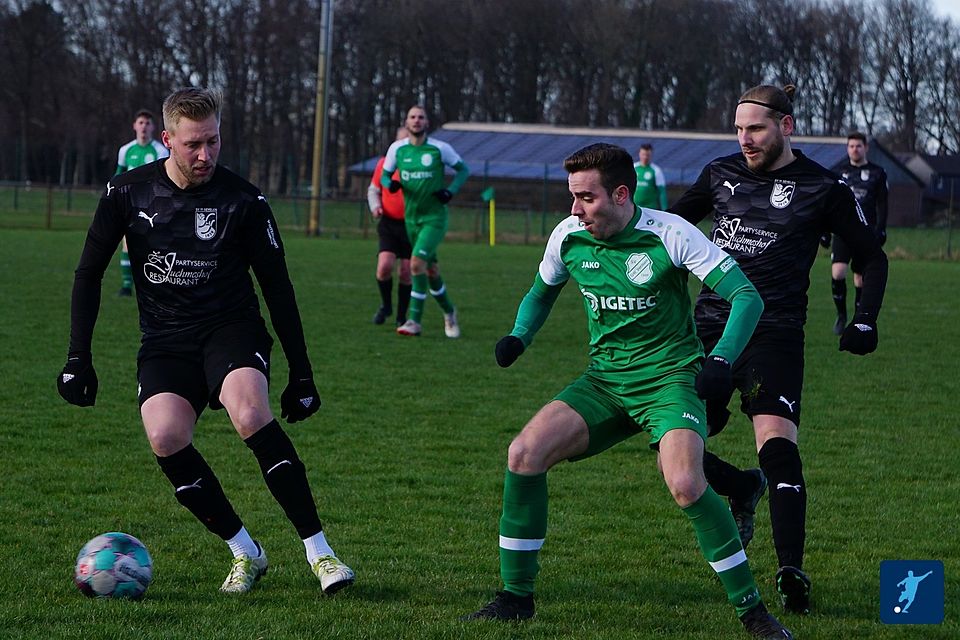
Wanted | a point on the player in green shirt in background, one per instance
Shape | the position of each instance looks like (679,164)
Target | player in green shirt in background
(651,184)
(142,150)
(421,162)
(645,374)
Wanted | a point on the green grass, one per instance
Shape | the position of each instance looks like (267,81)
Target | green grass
(406,459)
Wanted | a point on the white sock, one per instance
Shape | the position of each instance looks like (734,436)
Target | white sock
(243,545)
(316,546)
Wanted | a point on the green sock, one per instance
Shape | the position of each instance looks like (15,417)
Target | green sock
(439,292)
(523,526)
(126,275)
(720,544)
(417,296)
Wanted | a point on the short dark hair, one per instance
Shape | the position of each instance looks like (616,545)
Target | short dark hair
(145,113)
(646,146)
(614,163)
(857,135)
(779,102)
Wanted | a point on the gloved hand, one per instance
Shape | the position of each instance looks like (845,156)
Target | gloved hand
(508,349)
(882,236)
(714,382)
(394,186)
(299,400)
(717,416)
(825,240)
(860,337)
(77,383)
(443,195)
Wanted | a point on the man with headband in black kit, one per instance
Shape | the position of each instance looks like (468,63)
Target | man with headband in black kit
(770,205)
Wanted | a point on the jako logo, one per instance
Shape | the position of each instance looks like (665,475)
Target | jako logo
(590,264)
(690,416)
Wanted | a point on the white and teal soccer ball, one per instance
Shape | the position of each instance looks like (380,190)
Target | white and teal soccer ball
(113,565)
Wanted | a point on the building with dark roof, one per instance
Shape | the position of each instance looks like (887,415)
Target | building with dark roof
(524,162)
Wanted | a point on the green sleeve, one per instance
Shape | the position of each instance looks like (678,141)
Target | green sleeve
(746,305)
(463,172)
(385,180)
(662,190)
(534,309)
(120,169)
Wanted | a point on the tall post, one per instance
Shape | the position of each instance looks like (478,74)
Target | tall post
(314,227)
(953,181)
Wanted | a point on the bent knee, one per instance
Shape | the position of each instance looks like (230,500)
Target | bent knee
(524,456)
(686,489)
(248,419)
(165,441)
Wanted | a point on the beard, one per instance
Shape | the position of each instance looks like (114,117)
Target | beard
(194,179)
(767,156)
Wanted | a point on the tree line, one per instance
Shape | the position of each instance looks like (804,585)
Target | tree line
(73,74)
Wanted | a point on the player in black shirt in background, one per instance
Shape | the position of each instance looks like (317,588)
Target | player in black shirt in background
(869,184)
(770,205)
(194,230)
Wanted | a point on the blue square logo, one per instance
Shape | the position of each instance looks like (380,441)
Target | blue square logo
(911,591)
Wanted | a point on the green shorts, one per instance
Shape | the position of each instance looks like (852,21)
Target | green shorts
(426,236)
(615,410)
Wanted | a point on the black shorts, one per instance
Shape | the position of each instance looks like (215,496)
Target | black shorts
(769,372)
(193,365)
(840,252)
(393,237)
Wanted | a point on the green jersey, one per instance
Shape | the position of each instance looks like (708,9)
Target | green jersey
(134,154)
(634,288)
(651,186)
(421,170)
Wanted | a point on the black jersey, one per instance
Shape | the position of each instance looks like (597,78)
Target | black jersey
(191,252)
(869,185)
(771,223)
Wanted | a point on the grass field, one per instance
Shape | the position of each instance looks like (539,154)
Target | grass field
(406,459)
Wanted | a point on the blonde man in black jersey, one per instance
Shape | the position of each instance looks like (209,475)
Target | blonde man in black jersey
(194,230)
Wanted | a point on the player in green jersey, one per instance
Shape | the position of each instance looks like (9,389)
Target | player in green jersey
(645,374)
(421,162)
(651,184)
(142,150)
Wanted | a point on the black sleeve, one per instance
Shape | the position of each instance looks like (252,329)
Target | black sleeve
(882,203)
(265,249)
(103,237)
(697,203)
(848,222)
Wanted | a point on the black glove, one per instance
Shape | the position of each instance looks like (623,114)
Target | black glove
(443,195)
(299,400)
(882,236)
(77,383)
(508,349)
(825,240)
(859,337)
(394,186)
(717,416)
(714,382)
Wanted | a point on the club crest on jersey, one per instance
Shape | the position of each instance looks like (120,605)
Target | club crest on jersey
(639,268)
(205,223)
(782,193)
(426,159)
(864,175)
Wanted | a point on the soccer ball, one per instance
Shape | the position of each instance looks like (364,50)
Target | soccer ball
(113,565)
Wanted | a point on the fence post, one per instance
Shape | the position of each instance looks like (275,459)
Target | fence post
(953,181)
(543,208)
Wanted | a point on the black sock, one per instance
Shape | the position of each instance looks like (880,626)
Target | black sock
(403,299)
(726,479)
(286,477)
(197,488)
(780,461)
(839,288)
(386,290)
(858,291)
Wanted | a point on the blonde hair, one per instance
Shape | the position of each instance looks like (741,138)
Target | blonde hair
(193,103)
